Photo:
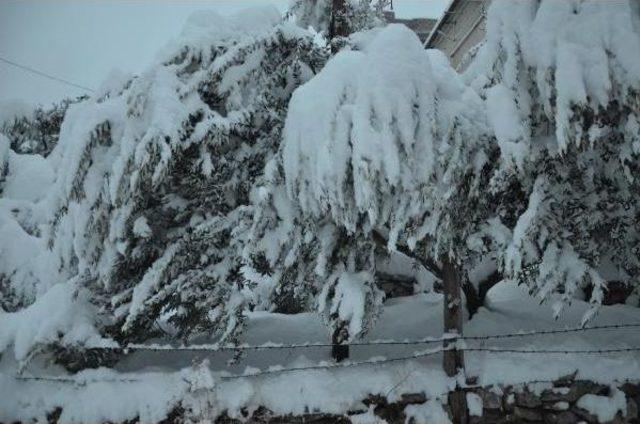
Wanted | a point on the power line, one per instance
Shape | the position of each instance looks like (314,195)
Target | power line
(44,74)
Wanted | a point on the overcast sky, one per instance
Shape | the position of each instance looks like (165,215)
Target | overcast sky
(83,40)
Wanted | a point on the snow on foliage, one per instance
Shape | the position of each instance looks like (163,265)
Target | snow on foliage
(361,14)
(372,131)
(63,315)
(25,263)
(377,141)
(562,86)
(33,129)
(150,208)
(244,171)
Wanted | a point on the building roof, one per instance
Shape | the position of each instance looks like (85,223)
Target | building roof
(421,26)
(448,14)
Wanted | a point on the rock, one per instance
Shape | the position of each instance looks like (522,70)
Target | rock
(560,406)
(475,420)
(411,398)
(574,392)
(566,417)
(527,399)
(490,400)
(526,414)
(566,380)
(584,415)
(631,390)
(632,409)
(558,394)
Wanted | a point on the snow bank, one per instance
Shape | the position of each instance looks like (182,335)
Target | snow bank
(95,398)
(474,403)
(604,408)
(162,379)
(427,413)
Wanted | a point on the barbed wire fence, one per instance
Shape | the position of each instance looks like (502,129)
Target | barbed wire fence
(427,340)
(458,345)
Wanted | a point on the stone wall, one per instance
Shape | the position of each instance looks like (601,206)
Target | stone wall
(547,403)
(556,403)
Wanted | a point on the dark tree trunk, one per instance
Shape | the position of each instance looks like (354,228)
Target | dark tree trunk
(340,350)
(476,297)
(453,361)
(339,26)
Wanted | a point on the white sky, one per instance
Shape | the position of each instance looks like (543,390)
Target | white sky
(83,40)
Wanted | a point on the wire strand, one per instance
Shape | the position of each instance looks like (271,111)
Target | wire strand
(450,337)
(45,75)
(416,355)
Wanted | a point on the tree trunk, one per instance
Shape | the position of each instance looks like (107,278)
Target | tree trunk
(476,297)
(453,362)
(339,350)
(339,26)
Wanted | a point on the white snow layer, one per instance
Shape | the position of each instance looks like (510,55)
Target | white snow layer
(99,140)
(60,311)
(206,28)
(604,408)
(364,129)
(165,378)
(572,53)
(474,403)
(357,108)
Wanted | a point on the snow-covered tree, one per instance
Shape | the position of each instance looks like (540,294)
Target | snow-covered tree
(338,18)
(360,14)
(562,87)
(34,130)
(152,201)
(381,145)
(296,261)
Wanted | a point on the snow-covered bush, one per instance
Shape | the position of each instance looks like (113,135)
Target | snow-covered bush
(562,87)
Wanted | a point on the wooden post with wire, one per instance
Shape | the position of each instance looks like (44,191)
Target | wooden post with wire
(453,359)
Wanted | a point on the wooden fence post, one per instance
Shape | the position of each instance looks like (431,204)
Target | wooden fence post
(453,359)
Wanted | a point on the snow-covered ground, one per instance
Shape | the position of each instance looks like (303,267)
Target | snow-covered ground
(151,383)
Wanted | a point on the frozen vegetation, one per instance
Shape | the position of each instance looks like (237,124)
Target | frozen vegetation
(257,181)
